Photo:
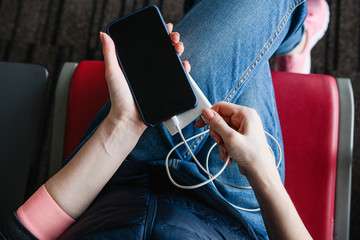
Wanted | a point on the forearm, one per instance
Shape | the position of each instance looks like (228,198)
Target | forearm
(280,216)
(75,186)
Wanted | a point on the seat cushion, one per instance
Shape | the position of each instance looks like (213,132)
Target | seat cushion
(308,107)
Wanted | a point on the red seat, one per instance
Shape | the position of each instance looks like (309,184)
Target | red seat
(308,107)
(309,121)
(88,93)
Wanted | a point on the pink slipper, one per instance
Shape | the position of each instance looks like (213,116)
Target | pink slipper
(316,24)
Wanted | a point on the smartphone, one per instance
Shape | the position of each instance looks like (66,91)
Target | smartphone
(152,67)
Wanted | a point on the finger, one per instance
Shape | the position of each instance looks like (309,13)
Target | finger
(169,27)
(175,37)
(216,137)
(224,154)
(236,116)
(200,123)
(111,62)
(179,48)
(217,123)
(187,66)
(226,109)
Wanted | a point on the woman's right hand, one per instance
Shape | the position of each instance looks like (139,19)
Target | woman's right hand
(239,132)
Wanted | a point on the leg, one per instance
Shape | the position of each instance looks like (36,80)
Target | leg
(225,41)
(226,46)
(230,62)
(297,58)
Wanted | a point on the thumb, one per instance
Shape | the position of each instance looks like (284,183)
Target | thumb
(111,63)
(216,122)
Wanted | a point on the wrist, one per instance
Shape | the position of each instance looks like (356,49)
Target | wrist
(132,128)
(264,177)
(119,136)
(263,171)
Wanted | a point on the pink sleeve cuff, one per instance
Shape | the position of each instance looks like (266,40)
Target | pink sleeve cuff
(43,217)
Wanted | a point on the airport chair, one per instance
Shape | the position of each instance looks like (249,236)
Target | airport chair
(317,118)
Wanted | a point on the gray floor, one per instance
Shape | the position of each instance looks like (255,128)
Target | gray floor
(51,32)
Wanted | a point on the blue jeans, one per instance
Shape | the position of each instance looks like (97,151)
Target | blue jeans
(228,44)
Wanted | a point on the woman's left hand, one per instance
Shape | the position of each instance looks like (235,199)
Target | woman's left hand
(123,107)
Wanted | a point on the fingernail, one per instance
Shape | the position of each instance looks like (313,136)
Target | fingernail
(208,114)
(101,36)
(203,118)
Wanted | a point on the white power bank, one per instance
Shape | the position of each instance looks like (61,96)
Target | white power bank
(187,117)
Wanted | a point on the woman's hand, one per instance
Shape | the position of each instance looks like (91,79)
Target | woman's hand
(239,132)
(123,107)
(72,188)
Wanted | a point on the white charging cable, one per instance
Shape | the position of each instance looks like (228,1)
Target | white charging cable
(211,177)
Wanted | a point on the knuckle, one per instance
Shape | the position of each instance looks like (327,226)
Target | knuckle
(217,121)
(232,136)
(252,112)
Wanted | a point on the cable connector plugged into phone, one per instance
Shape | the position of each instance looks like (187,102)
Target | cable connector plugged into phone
(187,117)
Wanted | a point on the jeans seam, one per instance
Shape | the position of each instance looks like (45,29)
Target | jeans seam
(195,144)
(251,67)
(173,163)
(264,50)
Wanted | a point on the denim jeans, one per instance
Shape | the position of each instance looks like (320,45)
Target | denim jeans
(228,44)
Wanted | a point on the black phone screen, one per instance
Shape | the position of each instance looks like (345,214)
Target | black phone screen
(151,65)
